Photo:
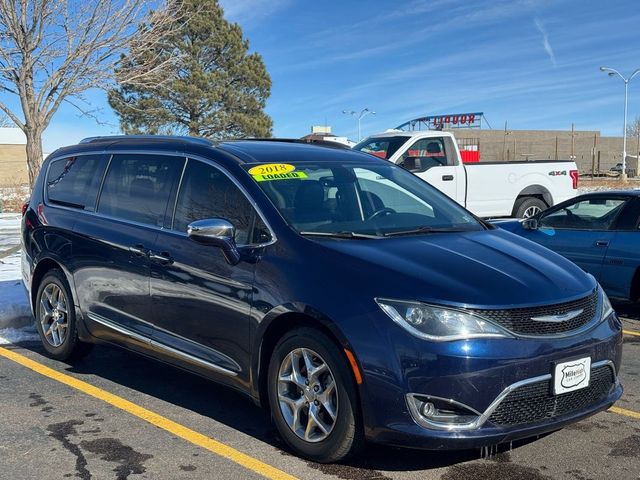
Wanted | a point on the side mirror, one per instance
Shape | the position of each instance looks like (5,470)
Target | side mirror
(216,232)
(530,223)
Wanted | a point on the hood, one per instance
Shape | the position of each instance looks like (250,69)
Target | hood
(491,268)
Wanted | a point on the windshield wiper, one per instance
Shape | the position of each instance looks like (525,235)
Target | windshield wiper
(340,235)
(424,229)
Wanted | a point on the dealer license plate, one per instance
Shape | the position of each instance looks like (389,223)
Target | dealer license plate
(573,375)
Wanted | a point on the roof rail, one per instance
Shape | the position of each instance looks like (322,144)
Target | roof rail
(320,143)
(107,138)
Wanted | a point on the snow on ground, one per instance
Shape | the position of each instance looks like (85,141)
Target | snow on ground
(9,231)
(14,305)
(16,321)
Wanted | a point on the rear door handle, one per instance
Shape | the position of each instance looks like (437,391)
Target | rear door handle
(138,250)
(162,258)
(602,243)
(447,178)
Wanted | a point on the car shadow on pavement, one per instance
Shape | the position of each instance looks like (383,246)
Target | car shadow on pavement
(235,410)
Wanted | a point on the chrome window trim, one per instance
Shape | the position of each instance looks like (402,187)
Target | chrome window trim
(205,160)
(483,417)
(125,331)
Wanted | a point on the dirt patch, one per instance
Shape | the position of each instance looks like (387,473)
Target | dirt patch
(490,471)
(627,447)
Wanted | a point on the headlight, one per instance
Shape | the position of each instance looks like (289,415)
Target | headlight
(437,323)
(606,309)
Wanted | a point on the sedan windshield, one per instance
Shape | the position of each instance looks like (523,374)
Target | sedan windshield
(359,201)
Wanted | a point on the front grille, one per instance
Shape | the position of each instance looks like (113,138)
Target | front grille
(536,402)
(519,320)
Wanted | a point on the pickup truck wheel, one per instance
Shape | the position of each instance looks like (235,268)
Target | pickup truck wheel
(527,207)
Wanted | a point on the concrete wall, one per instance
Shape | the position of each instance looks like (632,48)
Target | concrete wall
(589,148)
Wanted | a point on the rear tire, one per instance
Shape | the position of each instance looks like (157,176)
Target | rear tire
(527,207)
(294,407)
(56,318)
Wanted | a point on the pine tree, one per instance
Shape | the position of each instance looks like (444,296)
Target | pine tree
(215,90)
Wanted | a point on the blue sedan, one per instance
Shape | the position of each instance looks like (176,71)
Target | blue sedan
(600,232)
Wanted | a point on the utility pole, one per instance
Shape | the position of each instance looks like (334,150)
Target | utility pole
(593,155)
(359,116)
(504,142)
(613,73)
(573,136)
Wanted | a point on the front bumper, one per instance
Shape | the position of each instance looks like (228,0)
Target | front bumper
(479,375)
(414,436)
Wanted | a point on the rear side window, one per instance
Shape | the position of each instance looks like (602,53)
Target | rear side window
(75,181)
(137,187)
(206,192)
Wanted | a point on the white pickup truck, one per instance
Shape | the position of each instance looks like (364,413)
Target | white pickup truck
(488,189)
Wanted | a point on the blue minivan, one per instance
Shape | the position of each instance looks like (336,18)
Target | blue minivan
(348,296)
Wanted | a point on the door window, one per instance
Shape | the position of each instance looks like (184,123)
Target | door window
(74,181)
(137,187)
(206,192)
(381,147)
(427,153)
(592,214)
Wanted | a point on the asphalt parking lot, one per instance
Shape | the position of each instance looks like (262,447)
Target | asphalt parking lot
(116,415)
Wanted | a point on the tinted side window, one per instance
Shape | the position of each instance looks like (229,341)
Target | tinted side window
(137,187)
(75,181)
(206,192)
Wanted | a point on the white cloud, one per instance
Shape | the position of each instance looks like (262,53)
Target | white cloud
(545,40)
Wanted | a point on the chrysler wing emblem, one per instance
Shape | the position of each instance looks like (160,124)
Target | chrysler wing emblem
(558,318)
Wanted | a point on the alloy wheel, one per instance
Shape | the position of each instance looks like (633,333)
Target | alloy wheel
(307,395)
(54,315)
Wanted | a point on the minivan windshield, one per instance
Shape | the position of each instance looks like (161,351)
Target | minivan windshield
(368,200)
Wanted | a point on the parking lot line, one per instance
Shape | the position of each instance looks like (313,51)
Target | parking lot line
(625,412)
(631,332)
(153,418)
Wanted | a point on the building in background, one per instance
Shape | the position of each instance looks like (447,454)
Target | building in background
(323,133)
(592,152)
(13,157)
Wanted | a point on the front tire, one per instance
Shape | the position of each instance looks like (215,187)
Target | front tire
(56,318)
(313,397)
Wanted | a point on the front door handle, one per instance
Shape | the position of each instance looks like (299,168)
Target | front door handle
(602,243)
(162,258)
(138,250)
(447,178)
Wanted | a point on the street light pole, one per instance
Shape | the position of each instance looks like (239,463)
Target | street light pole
(612,72)
(359,116)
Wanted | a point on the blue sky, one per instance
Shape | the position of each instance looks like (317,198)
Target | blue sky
(531,63)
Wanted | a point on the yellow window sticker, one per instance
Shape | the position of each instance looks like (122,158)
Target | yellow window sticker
(275,171)
(272,168)
(279,176)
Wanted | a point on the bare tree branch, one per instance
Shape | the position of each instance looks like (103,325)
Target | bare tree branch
(52,51)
